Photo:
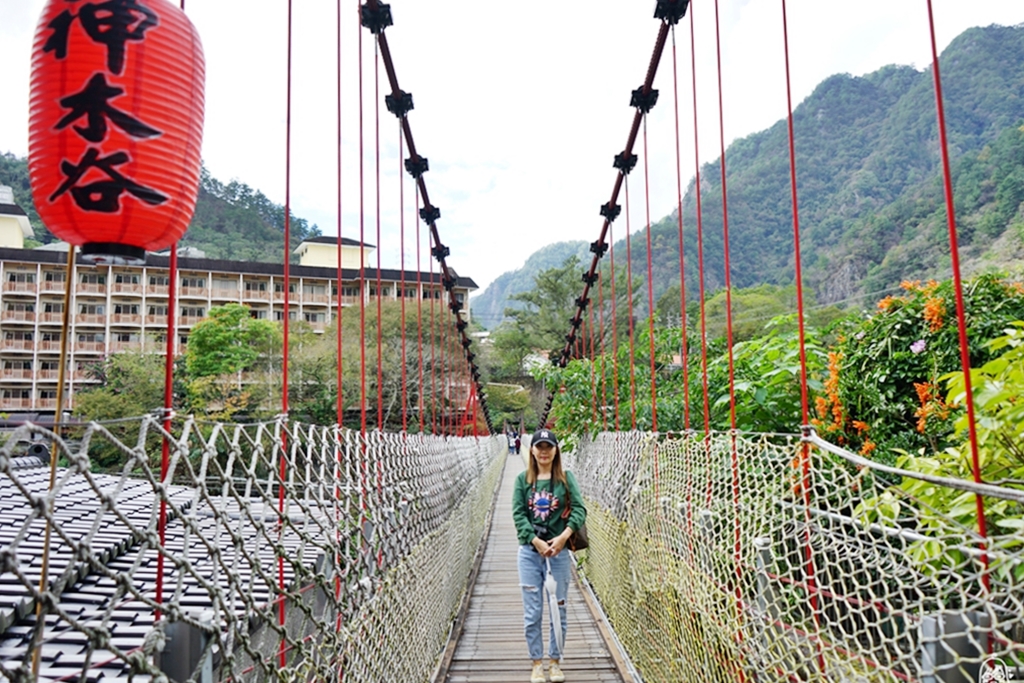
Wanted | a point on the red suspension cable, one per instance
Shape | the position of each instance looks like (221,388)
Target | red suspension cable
(282,655)
(684,361)
(433,354)
(362,251)
(603,356)
(401,230)
(340,407)
(615,325)
(650,286)
(629,293)
(700,238)
(805,456)
(380,292)
(419,308)
(961,312)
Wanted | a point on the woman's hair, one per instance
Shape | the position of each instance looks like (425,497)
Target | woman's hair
(557,473)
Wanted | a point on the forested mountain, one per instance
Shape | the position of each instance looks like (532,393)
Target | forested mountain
(868,175)
(231,221)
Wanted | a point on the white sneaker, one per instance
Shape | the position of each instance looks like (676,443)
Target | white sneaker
(538,674)
(556,673)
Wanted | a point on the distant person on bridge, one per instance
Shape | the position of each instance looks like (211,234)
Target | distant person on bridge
(547,507)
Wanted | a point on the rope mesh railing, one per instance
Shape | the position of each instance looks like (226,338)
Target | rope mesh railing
(375,540)
(704,571)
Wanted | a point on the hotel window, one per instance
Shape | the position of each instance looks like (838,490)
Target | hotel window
(17,365)
(90,309)
(126,278)
(20,276)
(93,279)
(53,307)
(229,285)
(53,276)
(19,336)
(158,310)
(159,280)
(23,308)
(88,337)
(197,282)
(192,311)
(126,309)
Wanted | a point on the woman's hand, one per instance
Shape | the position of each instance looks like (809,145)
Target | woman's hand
(558,542)
(542,547)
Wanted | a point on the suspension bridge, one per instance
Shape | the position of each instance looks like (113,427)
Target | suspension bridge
(279,550)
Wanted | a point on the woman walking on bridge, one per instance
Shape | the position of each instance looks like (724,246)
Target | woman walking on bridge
(547,508)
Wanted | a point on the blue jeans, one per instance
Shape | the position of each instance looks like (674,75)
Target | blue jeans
(532,572)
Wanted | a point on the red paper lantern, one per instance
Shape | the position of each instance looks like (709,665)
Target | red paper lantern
(116,125)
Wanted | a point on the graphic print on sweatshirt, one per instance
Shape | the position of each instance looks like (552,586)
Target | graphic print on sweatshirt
(542,504)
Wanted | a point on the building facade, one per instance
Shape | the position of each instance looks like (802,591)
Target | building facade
(117,308)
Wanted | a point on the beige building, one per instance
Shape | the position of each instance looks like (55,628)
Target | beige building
(115,308)
(14,223)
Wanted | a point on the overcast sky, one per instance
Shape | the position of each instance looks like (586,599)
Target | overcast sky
(520,107)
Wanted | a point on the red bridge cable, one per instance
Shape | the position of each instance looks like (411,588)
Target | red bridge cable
(601,352)
(380,292)
(650,287)
(700,239)
(682,259)
(338,319)
(433,353)
(419,307)
(401,258)
(615,325)
(805,456)
(593,364)
(629,292)
(282,655)
(734,454)
(362,250)
(961,314)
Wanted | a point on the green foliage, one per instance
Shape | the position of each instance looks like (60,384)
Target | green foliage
(546,309)
(891,362)
(999,404)
(228,340)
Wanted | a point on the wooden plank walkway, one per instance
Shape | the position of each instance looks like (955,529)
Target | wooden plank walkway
(492,647)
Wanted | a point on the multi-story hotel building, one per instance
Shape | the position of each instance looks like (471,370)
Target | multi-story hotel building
(116,308)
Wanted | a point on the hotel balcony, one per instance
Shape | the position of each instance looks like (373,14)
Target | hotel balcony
(188,320)
(156,320)
(90,319)
(51,317)
(225,294)
(133,319)
(52,286)
(46,403)
(17,344)
(126,288)
(16,373)
(15,403)
(51,345)
(49,374)
(119,346)
(20,287)
(157,290)
(255,295)
(10,316)
(91,288)
(316,299)
(194,292)
(90,347)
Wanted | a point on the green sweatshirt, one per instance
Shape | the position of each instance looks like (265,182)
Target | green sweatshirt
(534,505)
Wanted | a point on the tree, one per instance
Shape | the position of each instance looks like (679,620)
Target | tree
(229,341)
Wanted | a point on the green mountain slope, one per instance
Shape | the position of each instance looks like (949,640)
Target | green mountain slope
(489,306)
(868,176)
(231,221)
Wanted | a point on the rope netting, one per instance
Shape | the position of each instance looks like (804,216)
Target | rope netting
(356,576)
(716,568)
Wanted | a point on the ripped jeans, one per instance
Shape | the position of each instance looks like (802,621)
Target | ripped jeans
(532,572)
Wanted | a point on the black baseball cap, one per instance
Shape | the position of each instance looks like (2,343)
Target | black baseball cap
(544,436)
